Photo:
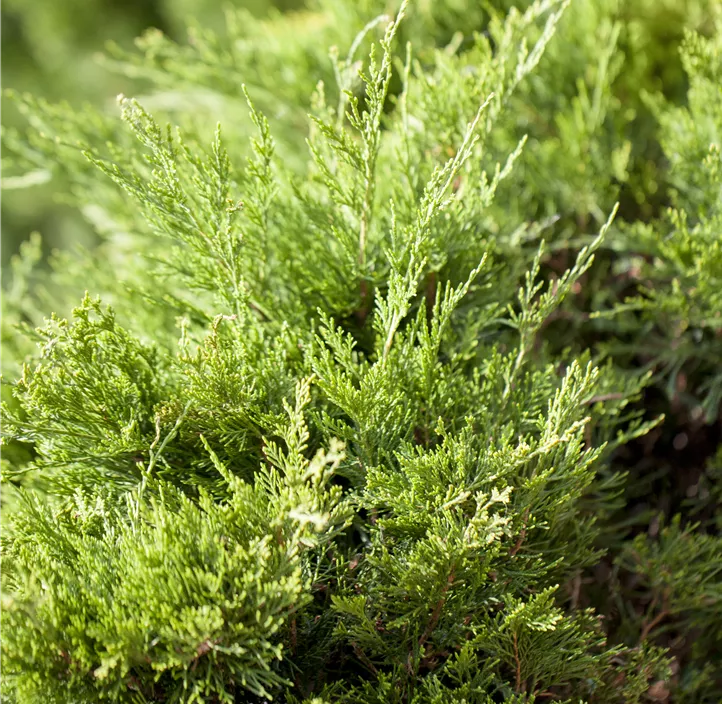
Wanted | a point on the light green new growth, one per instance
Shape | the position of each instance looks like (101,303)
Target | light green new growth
(343,414)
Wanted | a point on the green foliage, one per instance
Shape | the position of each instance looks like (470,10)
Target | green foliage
(232,575)
(680,290)
(356,412)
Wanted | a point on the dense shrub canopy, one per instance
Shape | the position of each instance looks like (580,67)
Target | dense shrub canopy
(396,375)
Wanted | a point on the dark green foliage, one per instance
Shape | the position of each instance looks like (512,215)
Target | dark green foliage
(376,416)
(680,290)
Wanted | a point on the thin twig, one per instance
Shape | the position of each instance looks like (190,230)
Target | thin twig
(517,686)
(522,535)
(653,623)
(576,590)
(648,626)
(364,658)
(436,613)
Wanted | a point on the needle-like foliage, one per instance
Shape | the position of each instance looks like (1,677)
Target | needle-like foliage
(349,409)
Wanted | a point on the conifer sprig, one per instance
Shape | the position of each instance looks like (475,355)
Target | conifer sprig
(353,410)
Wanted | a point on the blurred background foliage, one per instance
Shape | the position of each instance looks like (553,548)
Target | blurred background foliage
(52,48)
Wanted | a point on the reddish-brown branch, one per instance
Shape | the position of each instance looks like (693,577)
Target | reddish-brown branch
(431,293)
(363,309)
(651,625)
(575,591)
(517,686)
(205,647)
(522,535)
(436,613)
(364,658)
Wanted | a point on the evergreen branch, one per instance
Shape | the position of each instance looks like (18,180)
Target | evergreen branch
(436,613)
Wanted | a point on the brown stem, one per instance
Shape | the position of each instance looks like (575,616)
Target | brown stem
(363,310)
(576,590)
(431,660)
(364,658)
(648,626)
(517,685)
(430,293)
(294,634)
(522,535)
(436,613)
